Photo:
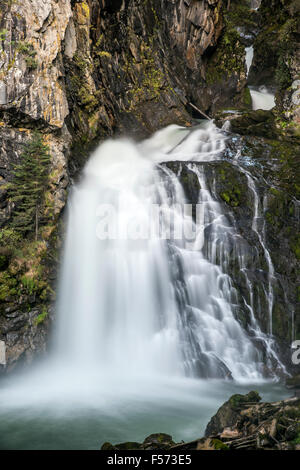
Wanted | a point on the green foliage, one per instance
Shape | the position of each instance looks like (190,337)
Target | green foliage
(150,80)
(3,33)
(9,238)
(27,189)
(283,76)
(41,318)
(238,400)
(240,14)
(219,445)
(29,283)
(27,50)
(232,197)
(296,247)
(8,286)
(247,98)
(227,59)
(286,47)
(9,242)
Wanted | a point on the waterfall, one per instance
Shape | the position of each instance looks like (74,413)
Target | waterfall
(249,57)
(117,307)
(145,288)
(255,4)
(261,97)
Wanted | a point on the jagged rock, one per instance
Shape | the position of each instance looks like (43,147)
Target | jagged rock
(242,423)
(229,413)
(257,123)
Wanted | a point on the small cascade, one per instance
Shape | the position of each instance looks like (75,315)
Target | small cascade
(255,4)
(249,57)
(261,97)
(258,226)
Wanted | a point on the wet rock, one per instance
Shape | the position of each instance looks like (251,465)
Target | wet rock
(257,123)
(229,413)
(230,186)
(159,441)
(122,446)
(293,382)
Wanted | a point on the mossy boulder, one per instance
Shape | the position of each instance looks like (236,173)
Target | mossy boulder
(256,123)
(158,441)
(229,413)
(123,446)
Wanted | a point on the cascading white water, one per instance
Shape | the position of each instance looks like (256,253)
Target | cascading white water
(122,303)
(117,307)
(255,4)
(249,57)
(261,97)
(142,318)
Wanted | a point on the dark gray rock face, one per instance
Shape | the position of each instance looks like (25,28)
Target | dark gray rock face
(229,413)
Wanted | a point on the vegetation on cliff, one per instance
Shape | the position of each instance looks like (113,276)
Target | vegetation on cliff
(27,189)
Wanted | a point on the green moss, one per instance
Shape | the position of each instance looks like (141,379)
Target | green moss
(219,445)
(148,79)
(88,99)
(107,446)
(128,446)
(228,58)
(86,9)
(237,400)
(7,286)
(26,274)
(10,238)
(27,50)
(247,98)
(240,15)
(3,33)
(41,318)
(297,440)
(3,262)
(104,54)
(296,247)
(232,197)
